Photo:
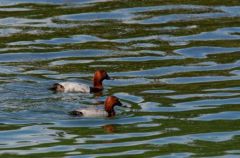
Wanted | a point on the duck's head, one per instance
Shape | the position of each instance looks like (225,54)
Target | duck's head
(99,76)
(110,102)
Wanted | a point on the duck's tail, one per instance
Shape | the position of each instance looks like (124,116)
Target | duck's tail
(76,113)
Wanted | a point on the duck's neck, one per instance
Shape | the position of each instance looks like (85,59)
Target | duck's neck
(110,110)
(111,114)
(97,83)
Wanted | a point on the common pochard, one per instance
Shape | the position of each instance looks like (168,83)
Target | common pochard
(98,78)
(99,111)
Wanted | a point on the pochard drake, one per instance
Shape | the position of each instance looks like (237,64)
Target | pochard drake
(98,78)
(106,111)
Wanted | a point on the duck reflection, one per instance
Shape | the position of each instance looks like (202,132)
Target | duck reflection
(110,128)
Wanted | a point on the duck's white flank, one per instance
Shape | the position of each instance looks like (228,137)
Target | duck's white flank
(75,87)
(92,112)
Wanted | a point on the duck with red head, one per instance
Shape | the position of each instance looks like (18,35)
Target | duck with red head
(98,78)
(107,111)
(110,102)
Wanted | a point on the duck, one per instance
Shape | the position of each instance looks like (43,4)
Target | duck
(98,78)
(99,111)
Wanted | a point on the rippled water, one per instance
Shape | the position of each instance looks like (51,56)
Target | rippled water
(176,65)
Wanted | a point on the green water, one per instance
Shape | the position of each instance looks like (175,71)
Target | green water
(176,64)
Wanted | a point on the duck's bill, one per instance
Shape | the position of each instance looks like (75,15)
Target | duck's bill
(119,103)
(125,106)
(109,78)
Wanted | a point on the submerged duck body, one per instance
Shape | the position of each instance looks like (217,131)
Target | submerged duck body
(98,78)
(106,111)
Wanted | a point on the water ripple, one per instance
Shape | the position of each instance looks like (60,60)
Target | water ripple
(175,67)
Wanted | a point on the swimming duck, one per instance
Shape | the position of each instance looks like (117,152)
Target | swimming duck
(107,111)
(98,78)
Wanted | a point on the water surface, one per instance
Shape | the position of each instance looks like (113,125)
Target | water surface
(176,66)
